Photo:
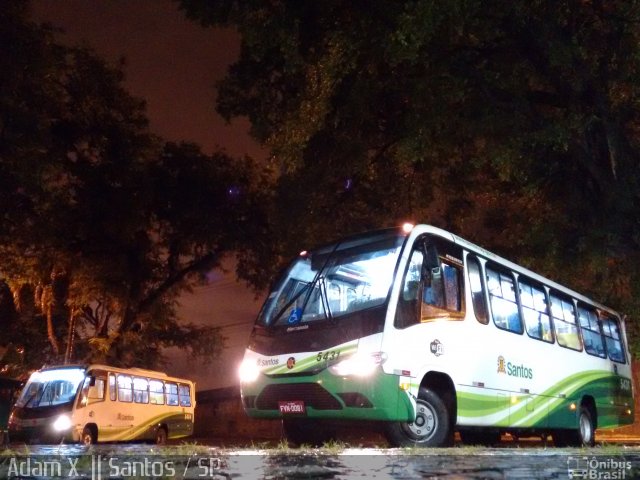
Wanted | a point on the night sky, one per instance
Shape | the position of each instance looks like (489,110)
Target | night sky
(173,64)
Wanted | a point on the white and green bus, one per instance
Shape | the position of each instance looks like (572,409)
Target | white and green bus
(425,334)
(99,403)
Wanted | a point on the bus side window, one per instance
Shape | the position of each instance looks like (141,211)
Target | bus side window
(564,320)
(184,393)
(590,327)
(611,330)
(534,309)
(502,296)
(96,391)
(441,291)
(125,393)
(171,393)
(112,387)
(477,291)
(156,392)
(407,312)
(140,390)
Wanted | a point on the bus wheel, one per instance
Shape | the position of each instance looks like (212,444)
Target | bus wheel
(583,436)
(431,427)
(89,435)
(586,428)
(161,436)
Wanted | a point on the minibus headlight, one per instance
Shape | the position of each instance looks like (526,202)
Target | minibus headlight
(359,365)
(63,422)
(248,371)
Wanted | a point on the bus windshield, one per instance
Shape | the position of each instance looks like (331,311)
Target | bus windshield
(51,387)
(334,281)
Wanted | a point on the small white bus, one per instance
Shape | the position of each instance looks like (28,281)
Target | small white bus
(99,403)
(425,334)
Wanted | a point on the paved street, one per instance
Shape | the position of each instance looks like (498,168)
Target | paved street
(189,460)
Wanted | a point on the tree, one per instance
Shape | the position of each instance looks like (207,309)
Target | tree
(104,226)
(513,124)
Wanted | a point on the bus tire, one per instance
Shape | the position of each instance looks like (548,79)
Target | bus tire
(89,435)
(583,436)
(431,428)
(586,432)
(161,436)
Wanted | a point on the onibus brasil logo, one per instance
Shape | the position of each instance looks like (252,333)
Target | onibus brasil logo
(601,468)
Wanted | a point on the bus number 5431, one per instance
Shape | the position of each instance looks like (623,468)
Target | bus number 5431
(328,355)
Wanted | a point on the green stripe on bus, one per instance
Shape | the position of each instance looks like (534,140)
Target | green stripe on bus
(137,431)
(551,406)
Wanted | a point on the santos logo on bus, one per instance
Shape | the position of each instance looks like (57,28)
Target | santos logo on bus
(514,370)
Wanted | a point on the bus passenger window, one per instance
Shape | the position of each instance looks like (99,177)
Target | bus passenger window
(611,331)
(112,387)
(477,292)
(171,393)
(564,319)
(534,309)
(590,327)
(502,296)
(185,395)
(140,390)
(156,392)
(125,393)
(441,291)
(96,392)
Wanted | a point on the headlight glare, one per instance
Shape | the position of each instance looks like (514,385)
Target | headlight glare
(248,371)
(360,365)
(63,422)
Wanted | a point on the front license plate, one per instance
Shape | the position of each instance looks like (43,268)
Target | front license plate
(292,407)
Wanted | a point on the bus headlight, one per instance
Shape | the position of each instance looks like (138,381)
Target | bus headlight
(359,365)
(248,371)
(63,422)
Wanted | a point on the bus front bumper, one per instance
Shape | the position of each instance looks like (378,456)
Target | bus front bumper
(325,395)
(40,430)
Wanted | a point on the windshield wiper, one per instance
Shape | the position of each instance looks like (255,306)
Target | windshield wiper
(322,285)
(289,303)
(33,395)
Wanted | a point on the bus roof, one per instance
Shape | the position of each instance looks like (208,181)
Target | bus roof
(132,371)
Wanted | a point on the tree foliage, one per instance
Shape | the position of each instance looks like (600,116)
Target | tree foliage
(512,123)
(103,226)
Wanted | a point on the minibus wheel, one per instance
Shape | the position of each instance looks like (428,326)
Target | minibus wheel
(161,436)
(89,435)
(431,427)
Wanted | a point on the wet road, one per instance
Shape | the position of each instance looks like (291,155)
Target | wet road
(193,461)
